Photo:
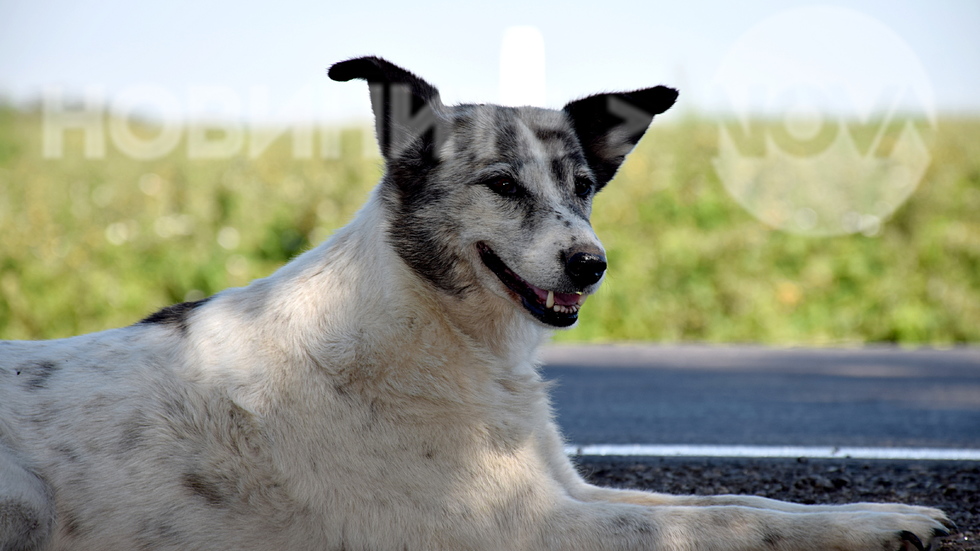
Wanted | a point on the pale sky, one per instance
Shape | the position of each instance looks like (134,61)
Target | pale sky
(253,59)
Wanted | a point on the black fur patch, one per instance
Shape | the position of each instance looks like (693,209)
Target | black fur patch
(155,533)
(68,452)
(566,138)
(419,239)
(132,432)
(631,525)
(71,525)
(175,315)
(175,408)
(508,139)
(771,539)
(560,170)
(201,486)
(38,374)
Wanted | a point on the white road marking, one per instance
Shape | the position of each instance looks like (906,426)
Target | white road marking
(815,452)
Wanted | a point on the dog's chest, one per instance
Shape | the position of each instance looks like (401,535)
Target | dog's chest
(437,409)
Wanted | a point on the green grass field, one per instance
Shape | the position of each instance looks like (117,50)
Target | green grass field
(89,244)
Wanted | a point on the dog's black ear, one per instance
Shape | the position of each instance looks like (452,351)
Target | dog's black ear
(405,107)
(609,125)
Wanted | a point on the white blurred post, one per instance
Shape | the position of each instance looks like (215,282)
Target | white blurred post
(522,78)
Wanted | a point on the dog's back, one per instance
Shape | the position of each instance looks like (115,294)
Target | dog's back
(128,445)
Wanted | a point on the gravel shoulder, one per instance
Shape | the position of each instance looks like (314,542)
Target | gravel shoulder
(953,486)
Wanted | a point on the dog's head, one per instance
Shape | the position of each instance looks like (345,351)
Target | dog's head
(492,199)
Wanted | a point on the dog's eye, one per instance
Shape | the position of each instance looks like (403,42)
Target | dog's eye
(504,186)
(583,187)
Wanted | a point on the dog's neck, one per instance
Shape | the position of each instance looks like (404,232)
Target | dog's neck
(352,303)
(403,305)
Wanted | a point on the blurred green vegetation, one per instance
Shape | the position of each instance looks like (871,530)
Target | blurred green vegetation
(89,244)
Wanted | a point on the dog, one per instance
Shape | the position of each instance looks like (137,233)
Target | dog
(380,391)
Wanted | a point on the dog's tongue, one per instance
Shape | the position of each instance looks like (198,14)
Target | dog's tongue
(562,299)
(568,299)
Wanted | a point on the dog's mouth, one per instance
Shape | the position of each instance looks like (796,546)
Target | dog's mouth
(549,307)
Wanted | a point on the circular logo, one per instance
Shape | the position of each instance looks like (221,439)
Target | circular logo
(829,116)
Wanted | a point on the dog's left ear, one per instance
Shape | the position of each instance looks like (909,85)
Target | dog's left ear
(406,107)
(609,125)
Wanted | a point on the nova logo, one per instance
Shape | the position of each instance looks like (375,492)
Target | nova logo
(831,118)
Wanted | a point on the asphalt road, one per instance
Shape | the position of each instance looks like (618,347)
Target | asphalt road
(732,395)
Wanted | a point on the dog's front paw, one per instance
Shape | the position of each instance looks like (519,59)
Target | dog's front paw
(916,532)
(940,517)
(897,508)
(911,542)
(911,527)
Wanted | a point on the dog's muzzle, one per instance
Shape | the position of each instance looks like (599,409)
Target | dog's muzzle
(548,306)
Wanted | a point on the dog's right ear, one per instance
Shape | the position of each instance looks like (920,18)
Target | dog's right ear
(609,125)
(406,108)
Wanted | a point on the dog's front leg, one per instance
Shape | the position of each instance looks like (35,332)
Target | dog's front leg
(608,526)
(860,513)
(588,492)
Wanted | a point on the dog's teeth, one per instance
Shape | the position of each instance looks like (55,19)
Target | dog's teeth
(551,300)
(581,298)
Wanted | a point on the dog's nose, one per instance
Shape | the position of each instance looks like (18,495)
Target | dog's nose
(585,268)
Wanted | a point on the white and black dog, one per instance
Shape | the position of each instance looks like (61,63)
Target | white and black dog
(379,392)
